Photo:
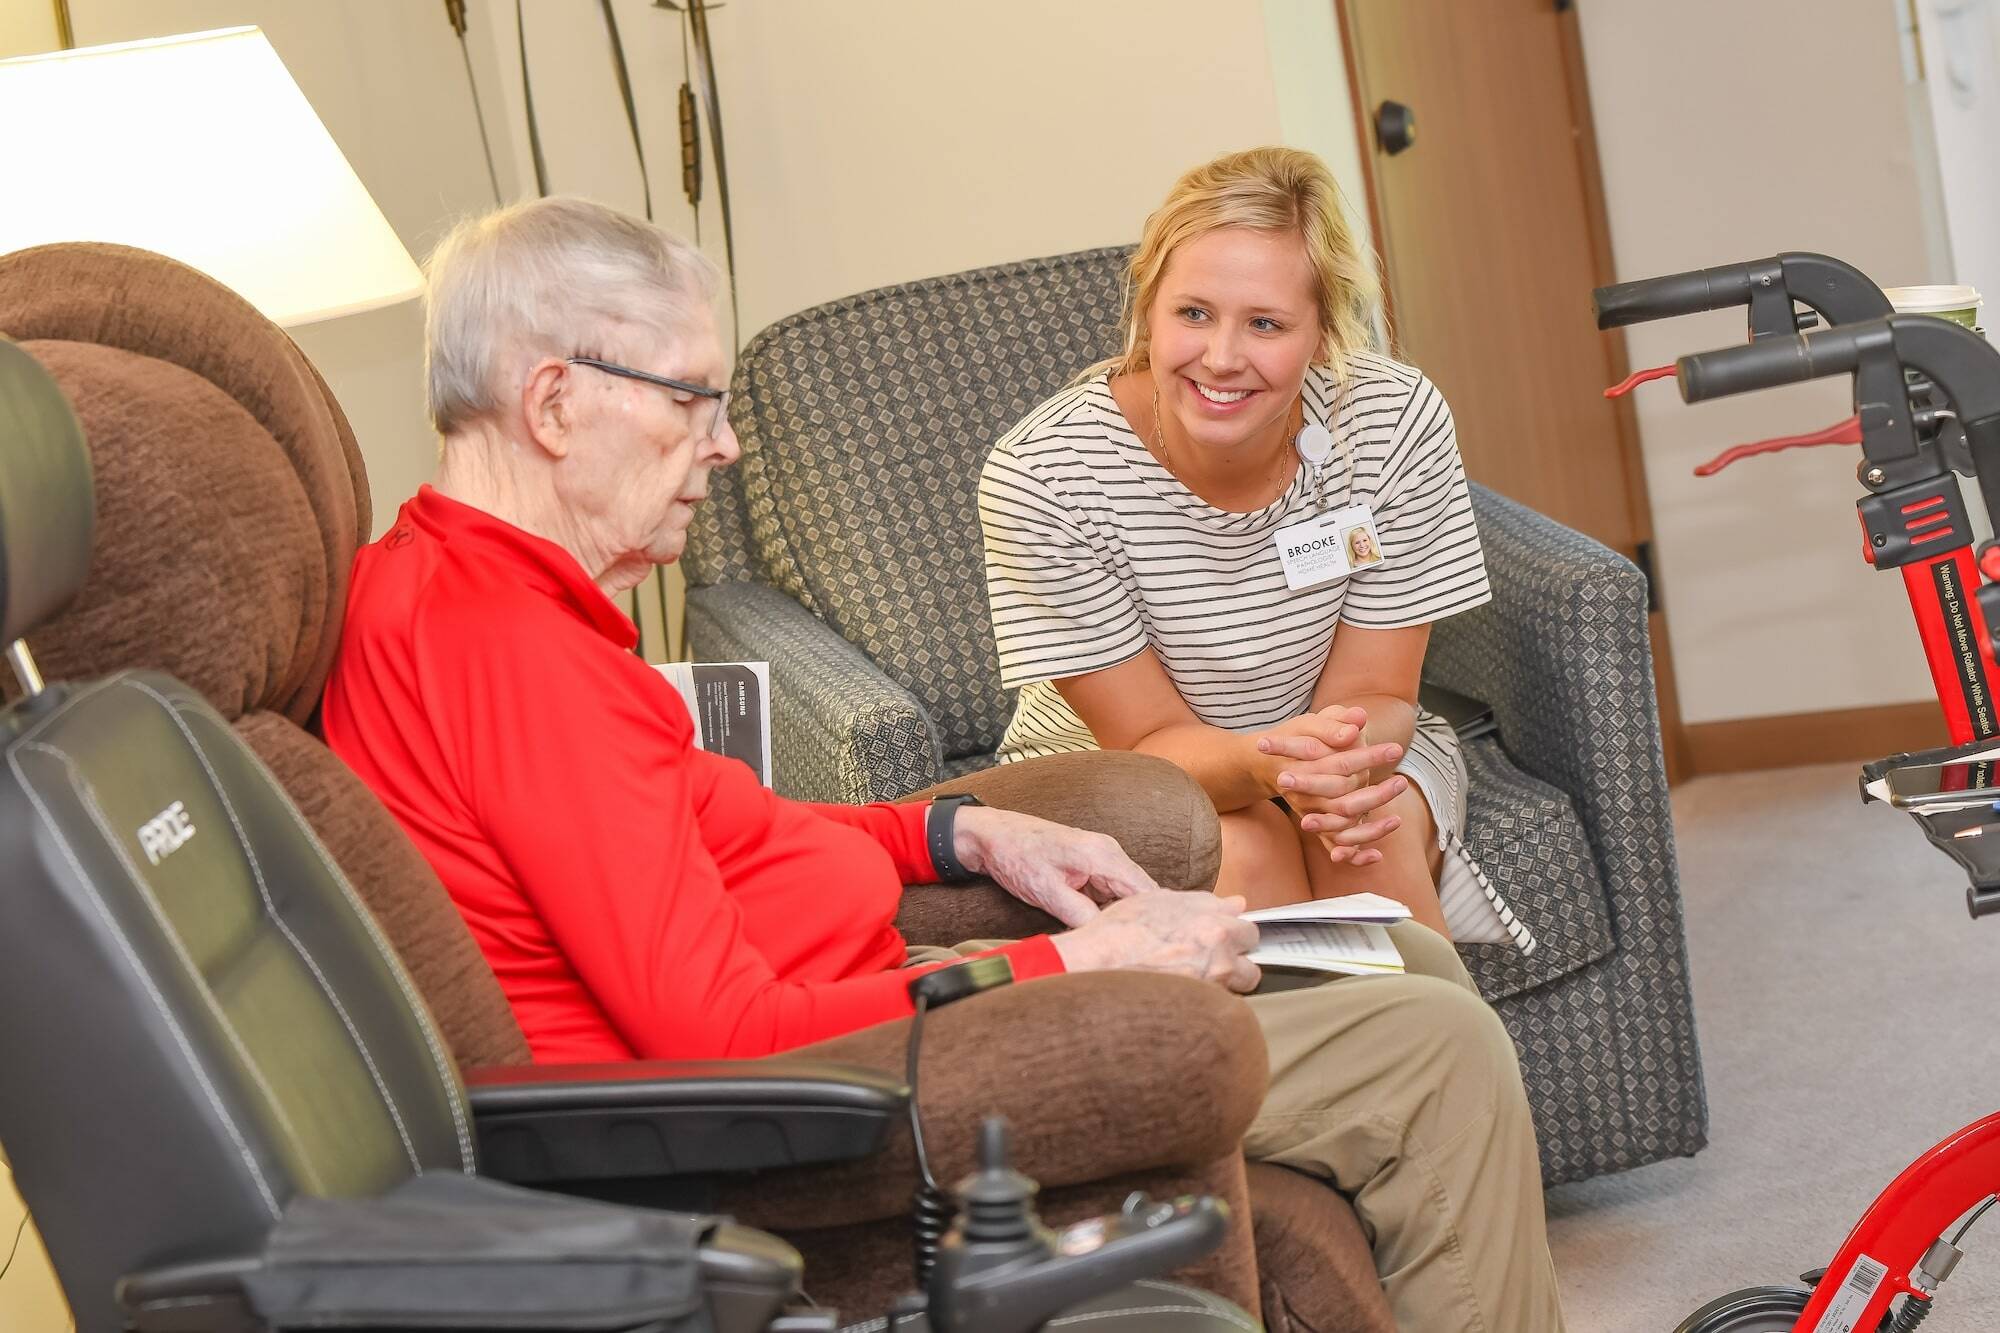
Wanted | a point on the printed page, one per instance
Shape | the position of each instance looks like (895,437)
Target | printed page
(730,703)
(1326,947)
(1353,907)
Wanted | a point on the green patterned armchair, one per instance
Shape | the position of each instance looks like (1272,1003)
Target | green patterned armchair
(845,550)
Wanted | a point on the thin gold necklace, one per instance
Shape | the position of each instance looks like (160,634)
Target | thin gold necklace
(1160,435)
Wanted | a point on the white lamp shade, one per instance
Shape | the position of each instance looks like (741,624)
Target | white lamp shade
(202,148)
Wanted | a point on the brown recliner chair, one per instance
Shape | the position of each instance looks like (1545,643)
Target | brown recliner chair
(231,499)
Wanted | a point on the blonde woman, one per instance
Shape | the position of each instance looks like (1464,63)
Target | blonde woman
(1144,532)
(1226,546)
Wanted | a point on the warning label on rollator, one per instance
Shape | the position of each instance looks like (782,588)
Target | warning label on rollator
(1960,626)
(1843,1315)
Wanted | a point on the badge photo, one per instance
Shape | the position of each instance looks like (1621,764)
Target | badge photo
(1359,542)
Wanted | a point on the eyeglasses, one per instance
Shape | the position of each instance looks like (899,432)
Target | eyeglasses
(720,397)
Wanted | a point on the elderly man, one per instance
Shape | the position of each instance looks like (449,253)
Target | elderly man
(639,897)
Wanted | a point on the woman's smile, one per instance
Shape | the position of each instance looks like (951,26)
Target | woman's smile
(1218,400)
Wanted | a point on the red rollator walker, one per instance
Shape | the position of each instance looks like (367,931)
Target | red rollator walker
(1926,405)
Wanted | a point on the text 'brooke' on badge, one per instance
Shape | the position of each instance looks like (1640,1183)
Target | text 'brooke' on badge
(1329,546)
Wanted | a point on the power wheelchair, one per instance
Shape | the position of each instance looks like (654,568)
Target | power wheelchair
(229,1109)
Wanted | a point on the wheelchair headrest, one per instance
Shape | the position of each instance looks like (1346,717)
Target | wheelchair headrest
(230,493)
(46,509)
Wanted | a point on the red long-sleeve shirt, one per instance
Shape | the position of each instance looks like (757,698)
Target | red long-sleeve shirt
(636,895)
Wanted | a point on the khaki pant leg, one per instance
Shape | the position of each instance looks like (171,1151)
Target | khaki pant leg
(1404,1094)
(918,955)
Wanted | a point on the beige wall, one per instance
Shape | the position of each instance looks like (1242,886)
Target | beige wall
(870,142)
(881,140)
(30,1300)
(1791,134)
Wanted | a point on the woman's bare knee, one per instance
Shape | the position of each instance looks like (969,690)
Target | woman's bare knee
(1261,858)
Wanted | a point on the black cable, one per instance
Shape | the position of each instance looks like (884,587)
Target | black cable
(1977,1213)
(932,1211)
(19,1231)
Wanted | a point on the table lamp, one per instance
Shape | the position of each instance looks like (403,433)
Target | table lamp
(202,148)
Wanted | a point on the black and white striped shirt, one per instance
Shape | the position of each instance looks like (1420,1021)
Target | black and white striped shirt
(1094,551)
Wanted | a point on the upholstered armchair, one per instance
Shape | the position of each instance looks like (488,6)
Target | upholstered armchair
(845,550)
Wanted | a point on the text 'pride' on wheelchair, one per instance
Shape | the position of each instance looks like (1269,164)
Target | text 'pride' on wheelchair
(1926,406)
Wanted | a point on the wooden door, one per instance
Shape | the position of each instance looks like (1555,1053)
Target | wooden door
(1490,217)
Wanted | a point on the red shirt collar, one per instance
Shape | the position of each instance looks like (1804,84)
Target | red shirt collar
(541,563)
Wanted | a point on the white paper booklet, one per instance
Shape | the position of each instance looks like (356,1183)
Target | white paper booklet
(730,703)
(1330,935)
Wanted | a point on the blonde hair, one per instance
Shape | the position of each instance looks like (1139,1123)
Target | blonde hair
(1265,189)
(550,277)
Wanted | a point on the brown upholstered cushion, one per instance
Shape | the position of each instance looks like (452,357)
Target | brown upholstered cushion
(1073,1062)
(146,304)
(400,890)
(1316,1270)
(205,561)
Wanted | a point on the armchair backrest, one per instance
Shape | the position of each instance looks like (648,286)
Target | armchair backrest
(865,423)
(230,501)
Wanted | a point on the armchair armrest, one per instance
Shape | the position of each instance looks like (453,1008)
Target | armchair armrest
(1564,655)
(1103,1075)
(548,1124)
(1160,816)
(842,731)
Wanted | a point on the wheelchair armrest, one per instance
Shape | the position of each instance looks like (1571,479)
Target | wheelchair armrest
(542,1124)
(446,1251)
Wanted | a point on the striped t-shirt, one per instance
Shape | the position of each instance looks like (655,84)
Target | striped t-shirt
(1095,552)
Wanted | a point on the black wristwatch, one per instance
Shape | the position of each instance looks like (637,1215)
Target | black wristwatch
(939,826)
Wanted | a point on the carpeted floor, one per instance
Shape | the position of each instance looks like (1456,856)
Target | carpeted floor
(1849,1014)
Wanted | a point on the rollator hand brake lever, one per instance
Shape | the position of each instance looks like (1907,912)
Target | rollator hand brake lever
(1636,378)
(1840,432)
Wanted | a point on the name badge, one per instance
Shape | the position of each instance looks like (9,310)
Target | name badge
(1328,546)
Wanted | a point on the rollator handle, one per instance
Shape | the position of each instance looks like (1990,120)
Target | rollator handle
(1763,365)
(1837,291)
(1673,294)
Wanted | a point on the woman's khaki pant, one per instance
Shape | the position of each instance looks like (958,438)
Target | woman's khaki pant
(1402,1092)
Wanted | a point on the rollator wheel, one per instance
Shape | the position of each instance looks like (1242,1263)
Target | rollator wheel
(1751,1310)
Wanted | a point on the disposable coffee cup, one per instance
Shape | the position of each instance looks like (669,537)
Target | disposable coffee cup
(1953,301)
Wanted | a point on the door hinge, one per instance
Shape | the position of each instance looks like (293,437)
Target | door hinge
(1564,6)
(1642,556)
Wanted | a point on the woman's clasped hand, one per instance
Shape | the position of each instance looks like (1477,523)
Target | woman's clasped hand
(1322,765)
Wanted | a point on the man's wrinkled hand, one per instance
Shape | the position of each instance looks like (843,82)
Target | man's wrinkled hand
(1067,872)
(1183,934)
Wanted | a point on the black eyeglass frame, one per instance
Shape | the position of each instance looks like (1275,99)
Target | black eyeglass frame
(719,396)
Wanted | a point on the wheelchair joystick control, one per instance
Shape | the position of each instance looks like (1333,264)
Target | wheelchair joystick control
(997,1210)
(1001,1271)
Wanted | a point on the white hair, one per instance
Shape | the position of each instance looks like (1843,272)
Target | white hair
(550,277)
